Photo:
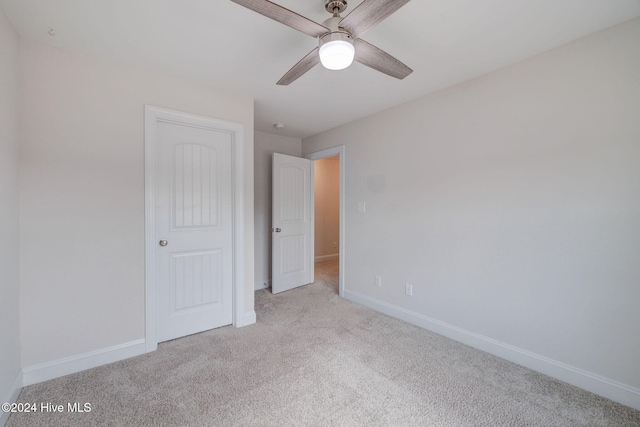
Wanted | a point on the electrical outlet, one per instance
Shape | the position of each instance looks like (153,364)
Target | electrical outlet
(378,281)
(408,289)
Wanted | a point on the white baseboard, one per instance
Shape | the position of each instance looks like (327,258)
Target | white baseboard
(247,319)
(70,365)
(264,284)
(14,392)
(614,390)
(329,257)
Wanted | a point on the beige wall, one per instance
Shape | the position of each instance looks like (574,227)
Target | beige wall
(511,204)
(265,145)
(327,207)
(81,125)
(9,288)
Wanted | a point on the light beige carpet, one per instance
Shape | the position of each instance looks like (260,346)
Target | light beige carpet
(314,359)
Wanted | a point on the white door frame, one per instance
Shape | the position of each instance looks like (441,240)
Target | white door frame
(323,154)
(152,116)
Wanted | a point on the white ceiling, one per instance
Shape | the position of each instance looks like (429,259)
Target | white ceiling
(222,44)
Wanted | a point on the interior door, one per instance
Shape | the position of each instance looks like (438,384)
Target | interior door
(292,229)
(194,221)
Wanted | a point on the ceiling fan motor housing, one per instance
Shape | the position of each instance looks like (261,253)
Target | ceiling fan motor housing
(336,35)
(335,6)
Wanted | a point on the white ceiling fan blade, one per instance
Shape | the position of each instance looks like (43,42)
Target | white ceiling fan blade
(368,14)
(284,16)
(380,60)
(308,62)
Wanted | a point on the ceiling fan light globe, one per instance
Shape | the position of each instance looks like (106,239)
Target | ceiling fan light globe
(337,54)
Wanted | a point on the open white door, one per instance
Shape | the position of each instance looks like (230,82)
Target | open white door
(292,232)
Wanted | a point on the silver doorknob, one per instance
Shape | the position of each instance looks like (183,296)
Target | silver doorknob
(277,230)
(163,243)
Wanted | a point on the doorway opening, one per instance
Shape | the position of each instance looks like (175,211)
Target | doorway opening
(329,215)
(326,192)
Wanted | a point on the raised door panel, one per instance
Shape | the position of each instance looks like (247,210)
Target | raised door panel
(196,280)
(293,254)
(196,187)
(293,186)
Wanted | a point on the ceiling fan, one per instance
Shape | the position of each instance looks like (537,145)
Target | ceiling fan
(338,38)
